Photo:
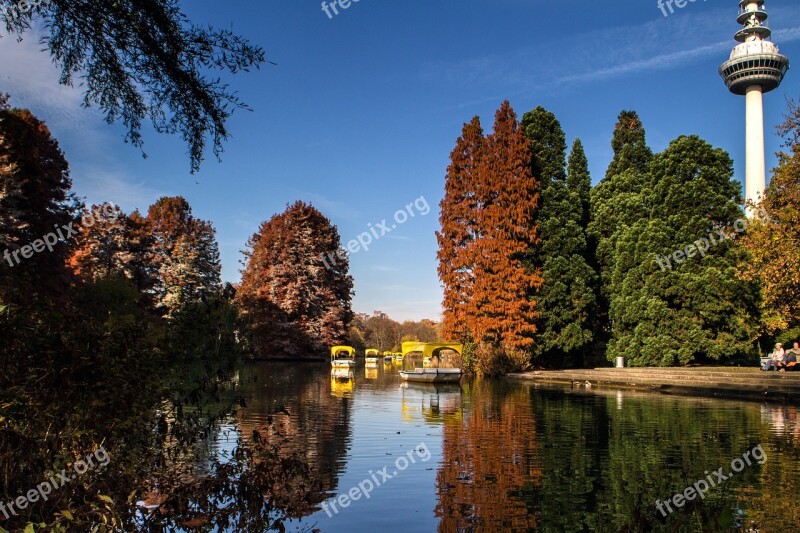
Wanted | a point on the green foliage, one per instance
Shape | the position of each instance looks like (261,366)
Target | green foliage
(566,296)
(697,311)
(788,337)
(615,203)
(492,360)
(548,146)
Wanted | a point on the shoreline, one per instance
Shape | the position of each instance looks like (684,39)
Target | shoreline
(716,382)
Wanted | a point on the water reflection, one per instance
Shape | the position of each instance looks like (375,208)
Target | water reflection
(433,404)
(343,381)
(517,457)
(292,409)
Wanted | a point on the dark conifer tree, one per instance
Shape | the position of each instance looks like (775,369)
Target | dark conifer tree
(566,295)
(691,310)
(615,202)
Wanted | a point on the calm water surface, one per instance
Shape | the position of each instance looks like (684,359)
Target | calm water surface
(502,456)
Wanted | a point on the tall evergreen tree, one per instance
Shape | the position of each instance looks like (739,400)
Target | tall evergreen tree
(501,312)
(579,181)
(693,309)
(458,230)
(615,202)
(295,301)
(566,295)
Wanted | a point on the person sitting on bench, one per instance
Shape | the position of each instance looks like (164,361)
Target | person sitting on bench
(775,358)
(789,361)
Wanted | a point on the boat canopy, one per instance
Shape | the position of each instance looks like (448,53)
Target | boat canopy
(347,351)
(372,352)
(432,349)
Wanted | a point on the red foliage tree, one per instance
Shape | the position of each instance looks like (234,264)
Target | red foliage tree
(458,230)
(488,233)
(114,244)
(35,201)
(501,308)
(294,300)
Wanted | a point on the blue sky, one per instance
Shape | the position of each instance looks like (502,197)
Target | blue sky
(362,111)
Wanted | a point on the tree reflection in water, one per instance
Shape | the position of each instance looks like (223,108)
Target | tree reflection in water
(547,459)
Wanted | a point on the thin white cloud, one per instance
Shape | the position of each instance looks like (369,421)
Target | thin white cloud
(32,80)
(671,60)
(559,62)
(102,184)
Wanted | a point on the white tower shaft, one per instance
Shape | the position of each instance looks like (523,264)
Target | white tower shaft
(755,67)
(756,173)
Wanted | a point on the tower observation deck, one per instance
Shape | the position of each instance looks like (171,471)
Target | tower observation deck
(755,67)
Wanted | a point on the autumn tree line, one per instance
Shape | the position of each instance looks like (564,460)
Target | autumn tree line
(542,269)
(121,316)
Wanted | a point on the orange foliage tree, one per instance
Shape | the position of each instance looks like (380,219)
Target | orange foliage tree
(774,238)
(458,230)
(488,233)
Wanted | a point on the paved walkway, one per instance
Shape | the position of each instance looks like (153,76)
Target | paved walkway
(744,383)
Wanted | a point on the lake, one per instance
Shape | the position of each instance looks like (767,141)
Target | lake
(493,455)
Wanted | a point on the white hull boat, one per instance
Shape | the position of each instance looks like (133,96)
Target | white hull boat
(432,375)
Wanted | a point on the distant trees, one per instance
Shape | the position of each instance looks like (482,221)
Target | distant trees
(293,304)
(485,270)
(566,298)
(386,334)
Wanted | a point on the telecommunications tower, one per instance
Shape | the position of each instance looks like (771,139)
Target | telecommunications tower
(754,68)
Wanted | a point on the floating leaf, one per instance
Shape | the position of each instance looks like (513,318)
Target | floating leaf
(106,499)
(66,514)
